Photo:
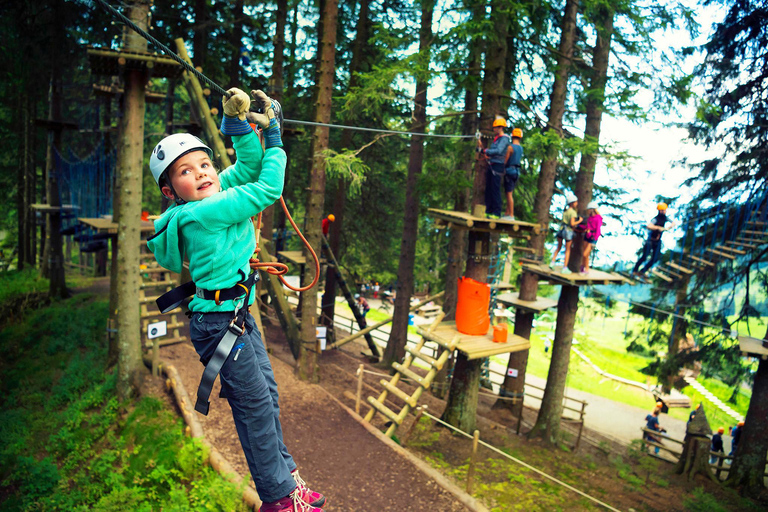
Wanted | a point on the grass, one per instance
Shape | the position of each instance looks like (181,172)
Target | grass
(70,444)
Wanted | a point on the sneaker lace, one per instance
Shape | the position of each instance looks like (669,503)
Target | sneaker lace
(299,505)
(299,481)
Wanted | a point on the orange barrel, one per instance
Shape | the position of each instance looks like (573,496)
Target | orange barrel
(500,333)
(472,307)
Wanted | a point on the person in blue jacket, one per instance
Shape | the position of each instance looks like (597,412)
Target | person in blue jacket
(496,157)
(210,225)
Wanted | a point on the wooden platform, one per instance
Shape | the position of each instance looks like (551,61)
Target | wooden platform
(555,275)
(753,347)
(102,225)
(501,285)
(111,62)
(533,306)
(478,347)
(295,257)
(461,220)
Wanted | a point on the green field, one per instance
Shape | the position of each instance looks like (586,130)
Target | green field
(601,337)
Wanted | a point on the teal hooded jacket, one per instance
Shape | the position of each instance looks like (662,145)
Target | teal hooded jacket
(216,234)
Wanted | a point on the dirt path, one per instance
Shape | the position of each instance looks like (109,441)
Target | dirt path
(335,454)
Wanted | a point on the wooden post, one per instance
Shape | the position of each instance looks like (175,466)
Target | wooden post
(719,465)
(155,357)
(520,416)
(359,387)
(581,425)
(472,461)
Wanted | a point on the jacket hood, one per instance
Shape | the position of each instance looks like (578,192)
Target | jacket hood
(166,243)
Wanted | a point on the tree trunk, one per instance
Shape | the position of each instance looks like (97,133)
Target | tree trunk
(356,65)
(529,283)
(307,363)
(458,237)
(291,67)
(749,465)
(395,350)
(548,421)
(462,395)
(55,261)
(236,44)
(200,36)
(130,157)
(21,190)
(31,188)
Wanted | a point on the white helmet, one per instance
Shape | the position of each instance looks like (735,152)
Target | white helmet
(592,205)
(170,149)
(571,198)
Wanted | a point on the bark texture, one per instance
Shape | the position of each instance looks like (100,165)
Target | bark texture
(529,283)
(307,363)
(749,465)
(130,157)
(357,64)
(395,350)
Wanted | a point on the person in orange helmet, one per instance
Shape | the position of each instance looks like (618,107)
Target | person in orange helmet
(496,157)
(652,246)
(327,223)
(512,172)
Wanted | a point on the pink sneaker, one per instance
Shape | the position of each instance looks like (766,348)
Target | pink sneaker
(291,503)
(314,498)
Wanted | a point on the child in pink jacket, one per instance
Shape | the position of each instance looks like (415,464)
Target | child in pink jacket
(591,234)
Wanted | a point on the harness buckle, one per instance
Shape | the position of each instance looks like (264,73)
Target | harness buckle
(238,330)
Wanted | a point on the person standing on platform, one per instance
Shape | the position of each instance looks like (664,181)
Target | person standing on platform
(512,172)
(591,234)
(565,235)
(495,156)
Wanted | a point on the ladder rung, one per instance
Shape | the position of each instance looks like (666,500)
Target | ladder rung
(148,300)
(730,249)
(383,409)
(406,372)
(164,341)
(416,353)
(399,393)
(752,232)
(679,267)
(741,244)
(524,249)
(721,254)
(661,275)
(152,284)
(157,314)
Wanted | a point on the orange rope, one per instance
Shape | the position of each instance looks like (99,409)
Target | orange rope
(280,269)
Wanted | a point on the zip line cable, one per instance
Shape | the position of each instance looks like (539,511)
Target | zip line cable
(379,130)
(216,87)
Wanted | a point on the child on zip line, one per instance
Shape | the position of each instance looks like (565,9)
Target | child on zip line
(652,246)
(210,225)
(565,235)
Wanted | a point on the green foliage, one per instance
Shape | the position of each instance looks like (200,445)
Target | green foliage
(702,501)
(70,445)
(346,165)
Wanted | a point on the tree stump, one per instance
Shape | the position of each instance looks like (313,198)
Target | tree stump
(695,456)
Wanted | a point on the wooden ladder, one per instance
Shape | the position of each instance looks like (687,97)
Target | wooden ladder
(156,280)
(410,401)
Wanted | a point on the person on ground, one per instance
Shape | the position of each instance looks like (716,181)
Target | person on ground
(565,235)
(735,438)
(376,289)
(362,305)
(210,225)
(652,423)
(326,224)
(591,234)
(495,157)
(652,246)
(717,445)
(512,168)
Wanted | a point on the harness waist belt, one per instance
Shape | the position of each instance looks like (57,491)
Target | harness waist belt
(173,299)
